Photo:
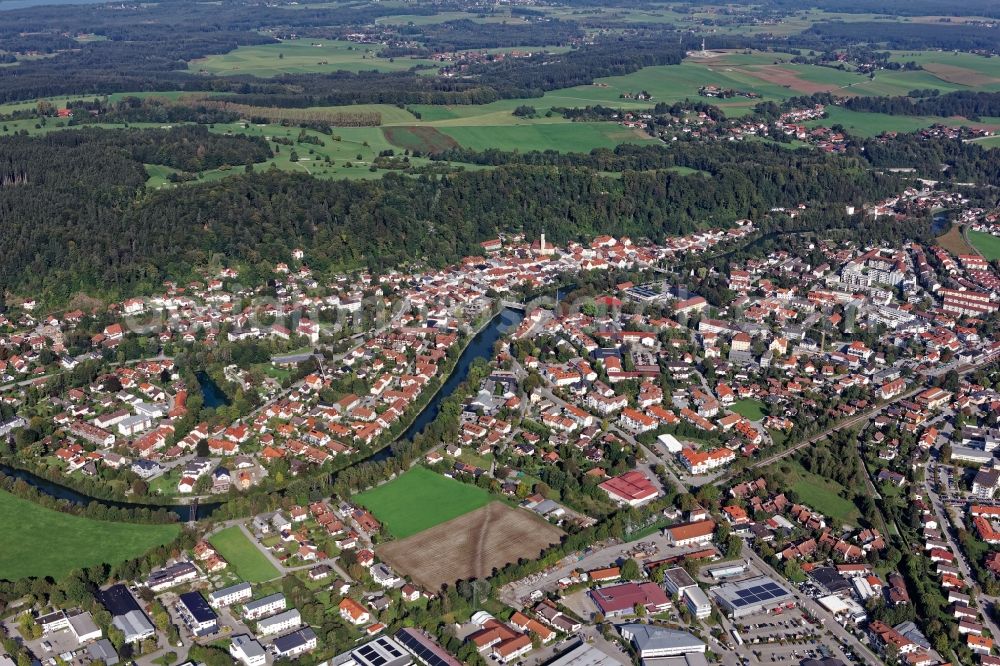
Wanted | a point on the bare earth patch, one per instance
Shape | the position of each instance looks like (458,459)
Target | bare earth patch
(954,242)
(959,75)
(470,546)
(424,139)
(788,79)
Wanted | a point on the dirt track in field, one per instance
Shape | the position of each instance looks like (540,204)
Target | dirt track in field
(470,546)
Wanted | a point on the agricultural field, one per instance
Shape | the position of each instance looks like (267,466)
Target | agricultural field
(43,542)
(749,408)
(302,56)
(988,245)
(954,241)
(243,556)
(962,69)
(419,500)
(422,138)
(568,137)
(470,546)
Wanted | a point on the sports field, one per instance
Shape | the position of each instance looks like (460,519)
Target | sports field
(470,546)
(749,408)
(987,244)
(43,542)
(421,499)
(249,563)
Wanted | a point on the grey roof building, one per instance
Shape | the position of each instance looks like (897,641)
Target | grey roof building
(103,650)
(654,642)
(134,625)
(582,654)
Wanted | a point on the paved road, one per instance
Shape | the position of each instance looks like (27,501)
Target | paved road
(512,593)
(830,623)
(948,530)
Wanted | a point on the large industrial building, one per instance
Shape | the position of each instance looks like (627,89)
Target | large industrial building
(753,595)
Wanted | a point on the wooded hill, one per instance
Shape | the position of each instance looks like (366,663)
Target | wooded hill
(75,215)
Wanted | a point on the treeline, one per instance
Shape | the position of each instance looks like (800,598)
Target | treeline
(898,35)
(466,34)
(76,224)
(93,510)
(952,159)
(968,104)
(890,7)
(482,83)
(147,47)
(927,102)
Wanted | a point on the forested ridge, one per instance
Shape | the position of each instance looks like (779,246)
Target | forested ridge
(75,215)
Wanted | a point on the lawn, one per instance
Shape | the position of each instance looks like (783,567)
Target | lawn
(821,494)
(749,408)
(987,244)
(243,556)
(420,499)
(43,542)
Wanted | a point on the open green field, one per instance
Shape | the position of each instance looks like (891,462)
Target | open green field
(302,56)
(243,556)
(821,494)
(42,542)
(420,499)
(749,408)
(987,244)
(568,137)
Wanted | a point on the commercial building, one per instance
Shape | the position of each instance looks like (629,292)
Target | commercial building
(582,654)
(676,580)
(654,643)
(292,645)
(632,488)
(753,595)
(383,651)
(618,600)
(228,596)
(689,534)
(197,614)
(422,646)
(697,602)
(276,624)
(254,610)
(84,628)
(135,625)
(247,651)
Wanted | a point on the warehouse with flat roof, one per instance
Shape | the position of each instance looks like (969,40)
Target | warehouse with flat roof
(753,595)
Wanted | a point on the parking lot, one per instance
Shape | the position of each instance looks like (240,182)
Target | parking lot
(793,655)
(772,627)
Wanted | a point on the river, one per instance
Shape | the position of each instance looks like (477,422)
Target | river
(481,346)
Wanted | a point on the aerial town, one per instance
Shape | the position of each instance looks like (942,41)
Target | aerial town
(509,333)
(647,459)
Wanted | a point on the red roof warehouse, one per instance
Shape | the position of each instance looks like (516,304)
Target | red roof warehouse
(632,488)
(621,599)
